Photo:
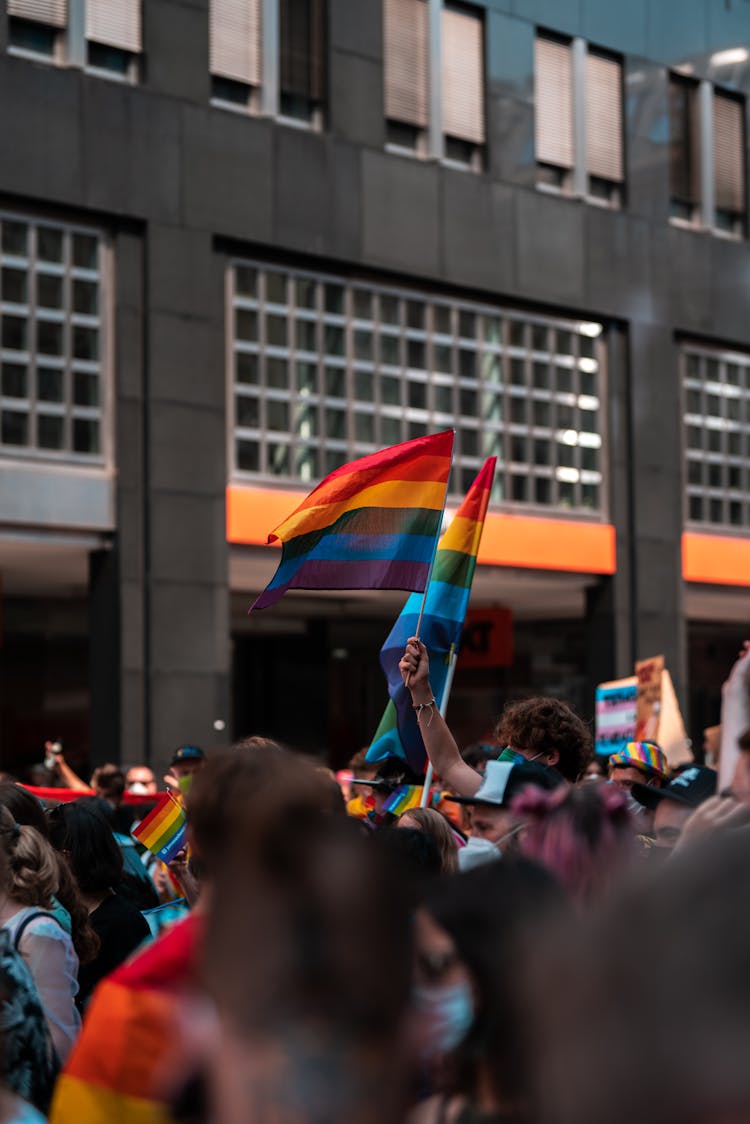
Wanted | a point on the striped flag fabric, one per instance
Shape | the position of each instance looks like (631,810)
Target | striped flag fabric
(371,524)
(406,796)
(445,610)
(162,832)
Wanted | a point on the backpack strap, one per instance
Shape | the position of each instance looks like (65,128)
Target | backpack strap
(27,921)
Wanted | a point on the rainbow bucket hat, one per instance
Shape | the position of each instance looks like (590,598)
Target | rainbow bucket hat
(643,755)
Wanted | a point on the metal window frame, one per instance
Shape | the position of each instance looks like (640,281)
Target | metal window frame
(704,491)
(103,414)
(418,418)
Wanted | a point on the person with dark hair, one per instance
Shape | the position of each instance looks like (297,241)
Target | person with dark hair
(471,940)
(302,911)
(542,730)
(411,852)
(82,836)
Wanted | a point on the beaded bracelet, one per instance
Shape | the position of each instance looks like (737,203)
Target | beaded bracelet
(419,707)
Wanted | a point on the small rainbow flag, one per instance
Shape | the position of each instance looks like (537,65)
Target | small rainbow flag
(406,796)
(163,830)
(445,608)
(371,524)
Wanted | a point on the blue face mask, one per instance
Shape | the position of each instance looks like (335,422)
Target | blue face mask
(445,1014)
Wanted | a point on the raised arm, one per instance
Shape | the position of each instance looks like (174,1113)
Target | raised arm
(438,740)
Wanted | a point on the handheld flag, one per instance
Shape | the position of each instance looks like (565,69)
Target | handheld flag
(163,830)
(371,524)
(446,602)
(406,796)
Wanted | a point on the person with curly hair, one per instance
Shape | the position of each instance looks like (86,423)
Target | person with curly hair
(545,730)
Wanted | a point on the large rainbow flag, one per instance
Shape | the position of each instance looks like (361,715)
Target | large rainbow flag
(371,524)
(445,610)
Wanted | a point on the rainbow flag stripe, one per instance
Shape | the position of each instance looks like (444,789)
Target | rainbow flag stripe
(162,832)
(406,796)
(371,524)
(445,610)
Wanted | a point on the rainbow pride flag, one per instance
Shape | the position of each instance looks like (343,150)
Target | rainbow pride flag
(406,796)
(371,524)
(445,610)
(162,832)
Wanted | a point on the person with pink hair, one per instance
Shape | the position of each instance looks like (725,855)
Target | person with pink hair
(584,835)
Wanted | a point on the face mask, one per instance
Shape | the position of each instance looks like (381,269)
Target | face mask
(445,1014)
(476,852)
(513,757)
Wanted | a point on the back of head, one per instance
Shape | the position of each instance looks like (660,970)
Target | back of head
(410,852)
(247,788)
(582,834)
(28,865)
(301,914)
(544,725)
(663,965)
(108,781)
(23,806)
(435,825)
(81,831)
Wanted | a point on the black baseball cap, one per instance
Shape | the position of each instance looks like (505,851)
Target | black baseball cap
(392,772)
(187,754)
(503,780)
(690,787)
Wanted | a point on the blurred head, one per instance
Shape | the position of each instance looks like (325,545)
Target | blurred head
(23,806)
(472,935)
(741,778)
(81,834)
(141,780)
(108,782)
(639,763)
(549,731)
(595,770)
(303,916)
(186,761)
(492,817)
(583,835)
(435,825)
(597,989)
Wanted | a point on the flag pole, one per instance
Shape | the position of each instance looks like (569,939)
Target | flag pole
(434,548)
(443,708)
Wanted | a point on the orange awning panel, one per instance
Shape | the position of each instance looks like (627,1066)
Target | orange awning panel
(717,559)
(508,540)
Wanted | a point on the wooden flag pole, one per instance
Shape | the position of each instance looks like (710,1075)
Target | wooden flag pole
(443,708)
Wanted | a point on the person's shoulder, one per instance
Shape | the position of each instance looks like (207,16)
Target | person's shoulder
(169,962)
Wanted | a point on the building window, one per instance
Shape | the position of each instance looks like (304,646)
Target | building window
(684,149)
(326,369)
(707,156)
(579,120)
(717,436)
(52,393)
(269,56)
(103,36)
(434,80)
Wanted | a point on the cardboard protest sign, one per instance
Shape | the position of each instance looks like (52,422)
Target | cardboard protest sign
(615,714)
(671,734)
(648,674)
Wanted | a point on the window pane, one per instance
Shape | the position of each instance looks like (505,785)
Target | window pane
(306,335)
(277,375)
(50,431)
(246,281)
(85,343)
(276,288)
(245,324)
(248,411)
(49,291)
(248,456)
(49,244)
(85,389)
(306,290)
(15,238)
(49,384)
(85,435)
(363,386)
(336,382)
(390,391)
(14,286)
(277,415)
(14,380)
(85,298)
(85,251)
(276,331)
(246,367)
(14,333)
(14,428)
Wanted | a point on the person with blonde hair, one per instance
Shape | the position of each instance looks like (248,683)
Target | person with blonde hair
(29,880)
(430,821)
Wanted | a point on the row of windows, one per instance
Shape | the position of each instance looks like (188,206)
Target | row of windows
(325,369)
(269,56)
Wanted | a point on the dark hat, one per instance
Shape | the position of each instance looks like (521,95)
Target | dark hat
(392,772)
(690,787)
(504,780)
(187,755)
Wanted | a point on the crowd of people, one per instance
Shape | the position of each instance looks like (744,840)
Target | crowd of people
(552,938)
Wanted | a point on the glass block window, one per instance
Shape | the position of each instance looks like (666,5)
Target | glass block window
(51,340)
(327,369)
(717,436)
